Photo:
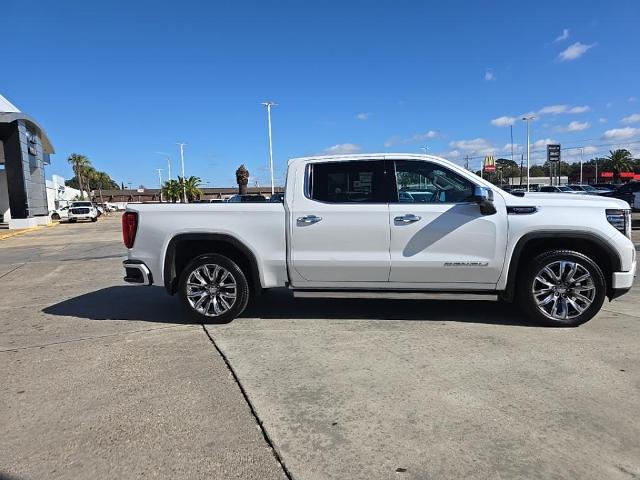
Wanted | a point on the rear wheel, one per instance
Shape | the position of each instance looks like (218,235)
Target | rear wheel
(94,219)
(561,288)
(213,289)
(55,216)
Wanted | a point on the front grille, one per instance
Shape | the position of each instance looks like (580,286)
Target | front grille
(80,211)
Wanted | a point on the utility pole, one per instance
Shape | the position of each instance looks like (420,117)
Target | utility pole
(521,162)
(184,186)
(528,119)
(581,159)
(511,128)
(596,159)
(466,162)
(160,180)
(270,104)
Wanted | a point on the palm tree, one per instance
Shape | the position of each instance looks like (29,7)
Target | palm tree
(172,190)
(191,187)
(242,177)
(79,163)
(618,161)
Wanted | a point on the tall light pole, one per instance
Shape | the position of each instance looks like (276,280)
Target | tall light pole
(528,119)
(270,104)
(168,162)
(184,186)
(160,180)
(581,160)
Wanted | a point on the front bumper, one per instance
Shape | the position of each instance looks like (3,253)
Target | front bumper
(623,279)
(137,272)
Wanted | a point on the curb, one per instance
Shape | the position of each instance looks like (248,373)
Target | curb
(5,236)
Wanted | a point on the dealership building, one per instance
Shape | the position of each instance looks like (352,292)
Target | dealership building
(24,151)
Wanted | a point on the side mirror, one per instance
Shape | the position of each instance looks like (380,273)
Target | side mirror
(483,196)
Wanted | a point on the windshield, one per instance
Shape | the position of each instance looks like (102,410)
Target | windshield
(588,188)
(565,189)
(81,204)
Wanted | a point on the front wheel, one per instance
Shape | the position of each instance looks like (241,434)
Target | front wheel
(213,289)
(561,288)
(94,219)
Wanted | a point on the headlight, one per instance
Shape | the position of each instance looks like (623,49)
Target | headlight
(621,220)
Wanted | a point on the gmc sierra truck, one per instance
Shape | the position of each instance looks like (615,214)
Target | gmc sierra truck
(395,225)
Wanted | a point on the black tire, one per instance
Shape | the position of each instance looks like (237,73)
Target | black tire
(242,291)
(564,292)
(72,220)
(94,219)
(55,216)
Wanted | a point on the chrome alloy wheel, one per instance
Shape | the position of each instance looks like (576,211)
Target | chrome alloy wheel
(211,290)
(563,290)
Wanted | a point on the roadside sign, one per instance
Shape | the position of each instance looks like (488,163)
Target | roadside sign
(489,164)
(553,152)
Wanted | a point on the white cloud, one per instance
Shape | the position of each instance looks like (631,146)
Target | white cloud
(489,75)
(621,133)
(553,109)
(574,51)
(542,143)
(602,120)
(563,36)
(363,116)
(609,104)
(574,127)
(342,149)
(476,145)
(579,109)
(503,121)
(507,147)
(632,99)
(633,118)
(417,137)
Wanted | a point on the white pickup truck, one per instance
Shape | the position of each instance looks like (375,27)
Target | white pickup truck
(389,225)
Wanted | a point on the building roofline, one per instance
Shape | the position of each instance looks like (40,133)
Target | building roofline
(8,117)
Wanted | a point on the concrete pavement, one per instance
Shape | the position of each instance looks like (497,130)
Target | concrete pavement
(102,380)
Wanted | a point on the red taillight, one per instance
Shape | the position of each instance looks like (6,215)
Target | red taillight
(129,227)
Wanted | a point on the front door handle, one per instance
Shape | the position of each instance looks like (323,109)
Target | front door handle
(309,219)
(408,218)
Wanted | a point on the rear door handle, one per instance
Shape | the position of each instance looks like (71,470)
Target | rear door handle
(408,218)
(309,219)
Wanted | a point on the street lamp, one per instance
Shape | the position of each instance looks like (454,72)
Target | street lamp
(160,180)
(168,161)
(528,119)
(184,186)
(581,160)
(270,104)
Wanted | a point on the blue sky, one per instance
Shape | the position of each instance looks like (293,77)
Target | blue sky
(120,80)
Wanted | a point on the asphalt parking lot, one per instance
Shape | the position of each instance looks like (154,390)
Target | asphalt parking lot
(104,380)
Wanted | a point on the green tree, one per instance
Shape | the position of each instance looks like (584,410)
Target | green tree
(79,163)
(191,187)
(172,190)
(242,178)
(618,161)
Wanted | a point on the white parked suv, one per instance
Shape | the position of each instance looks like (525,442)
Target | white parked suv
(82,211)
(395,225)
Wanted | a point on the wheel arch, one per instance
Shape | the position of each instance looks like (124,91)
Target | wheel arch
(184,247)
(534,243)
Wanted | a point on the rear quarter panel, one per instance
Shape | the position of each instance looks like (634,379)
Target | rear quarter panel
(259,226)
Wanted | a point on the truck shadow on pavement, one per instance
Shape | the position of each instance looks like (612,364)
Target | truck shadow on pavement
(152,304)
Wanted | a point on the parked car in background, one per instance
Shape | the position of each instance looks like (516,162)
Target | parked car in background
(556,189)
(247,199)
(82,211)
(277,198)
(344,229)
(584,189)
(626,192)
(61,213)
(603,189)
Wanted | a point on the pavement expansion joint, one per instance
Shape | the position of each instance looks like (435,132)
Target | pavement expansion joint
(265,435)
